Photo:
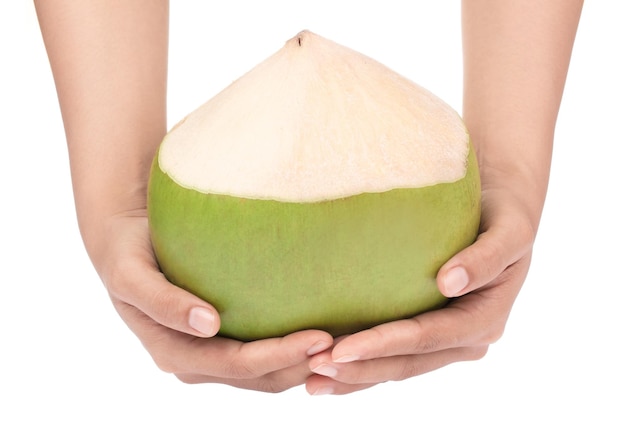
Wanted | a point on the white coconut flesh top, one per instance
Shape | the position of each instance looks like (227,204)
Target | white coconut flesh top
(316,121)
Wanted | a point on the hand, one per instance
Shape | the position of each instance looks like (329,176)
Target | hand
(178,328)
(484,280)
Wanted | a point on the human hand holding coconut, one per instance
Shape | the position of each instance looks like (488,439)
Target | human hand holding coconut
(109,65)
(463,330)
(173,325)
(516,58)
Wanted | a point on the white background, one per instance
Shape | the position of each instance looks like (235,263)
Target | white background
(71,369)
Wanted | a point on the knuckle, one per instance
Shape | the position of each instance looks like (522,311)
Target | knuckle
(493,334)
(270,386)
(407,368)
(165,364)
(188,379)
(526,232)
(486,336)
(364,375)
(115,282)
(478,352)
(424,341)
(492,260)
(165,353)
(119,281)
(496,255)
(240,369)
(160,303)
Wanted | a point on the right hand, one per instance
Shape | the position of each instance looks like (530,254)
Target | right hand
(178,329)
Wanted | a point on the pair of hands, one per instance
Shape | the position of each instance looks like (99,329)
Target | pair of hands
(110,70)
(178,329)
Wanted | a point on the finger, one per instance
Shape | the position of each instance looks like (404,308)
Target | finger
(273,382)
(321,385)
(140,284)
(234,359)
(131,275)
(429,332)
(223,358)
(341,378)
(475,319)
(501,245)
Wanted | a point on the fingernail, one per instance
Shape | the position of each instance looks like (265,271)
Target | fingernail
(203,321)
(324,391)
(317,348)
(346,358)
(455,281)
(326,370)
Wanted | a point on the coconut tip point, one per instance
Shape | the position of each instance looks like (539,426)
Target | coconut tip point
(301,38)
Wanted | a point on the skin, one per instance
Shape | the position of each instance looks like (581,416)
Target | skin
(110,69)
(516,56)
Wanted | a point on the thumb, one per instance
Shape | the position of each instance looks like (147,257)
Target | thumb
(145,288)
(494,250)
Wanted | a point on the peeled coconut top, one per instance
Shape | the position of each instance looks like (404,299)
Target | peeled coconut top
(313,122)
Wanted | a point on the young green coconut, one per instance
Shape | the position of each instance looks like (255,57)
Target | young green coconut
(320,190)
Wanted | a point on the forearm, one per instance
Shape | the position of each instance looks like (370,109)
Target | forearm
(109,61)
(516,56)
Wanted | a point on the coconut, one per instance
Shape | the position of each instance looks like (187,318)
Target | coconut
(321,190)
